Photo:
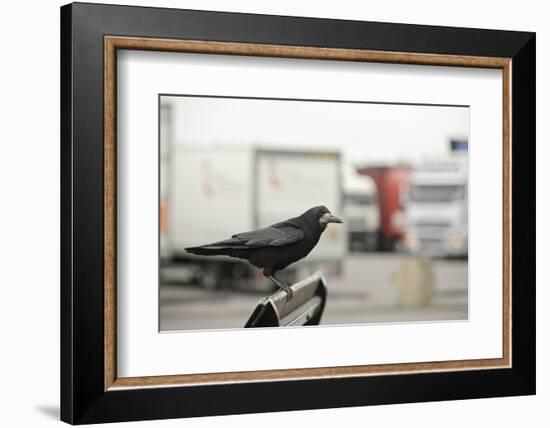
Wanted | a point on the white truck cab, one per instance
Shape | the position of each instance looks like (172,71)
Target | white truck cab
(436,210)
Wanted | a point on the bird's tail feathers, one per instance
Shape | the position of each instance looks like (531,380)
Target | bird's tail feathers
(228,248)
(205,250)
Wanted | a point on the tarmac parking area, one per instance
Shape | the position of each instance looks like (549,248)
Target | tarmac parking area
(373,288)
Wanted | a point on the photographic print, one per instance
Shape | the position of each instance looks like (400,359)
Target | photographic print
(292,212)
(325,204)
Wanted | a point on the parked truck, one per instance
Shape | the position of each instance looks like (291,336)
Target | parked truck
(361,210)
(212,192)
(392,183)
(437,210)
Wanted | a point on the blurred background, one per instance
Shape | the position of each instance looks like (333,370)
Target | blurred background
(396,174)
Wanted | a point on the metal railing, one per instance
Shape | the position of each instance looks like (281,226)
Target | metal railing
(305,308)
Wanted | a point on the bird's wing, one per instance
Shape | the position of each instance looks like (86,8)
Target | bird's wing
(273,236)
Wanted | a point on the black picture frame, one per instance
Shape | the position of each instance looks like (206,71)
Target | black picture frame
(83,396)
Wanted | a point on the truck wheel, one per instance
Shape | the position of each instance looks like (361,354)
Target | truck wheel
(211,277)
(209,281)
(380,242)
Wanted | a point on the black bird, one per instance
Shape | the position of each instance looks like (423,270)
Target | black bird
(275,247)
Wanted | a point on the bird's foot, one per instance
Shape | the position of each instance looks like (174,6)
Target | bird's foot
(285,287)
(288,292)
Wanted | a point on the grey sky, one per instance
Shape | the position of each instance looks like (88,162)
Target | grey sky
(364,133)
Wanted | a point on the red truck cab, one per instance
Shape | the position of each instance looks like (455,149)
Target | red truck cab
(392,183)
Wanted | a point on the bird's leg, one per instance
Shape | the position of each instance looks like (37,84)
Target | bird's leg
(287,289)
(282,285)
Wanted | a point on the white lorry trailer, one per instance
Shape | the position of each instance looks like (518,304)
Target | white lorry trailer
(437,210)
(361,210)
(209,193)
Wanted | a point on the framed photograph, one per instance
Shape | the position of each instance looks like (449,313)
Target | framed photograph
(266,213)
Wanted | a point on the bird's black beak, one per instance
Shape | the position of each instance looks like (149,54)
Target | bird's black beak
(329,218)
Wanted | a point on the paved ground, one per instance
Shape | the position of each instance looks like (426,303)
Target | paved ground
(374,287)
